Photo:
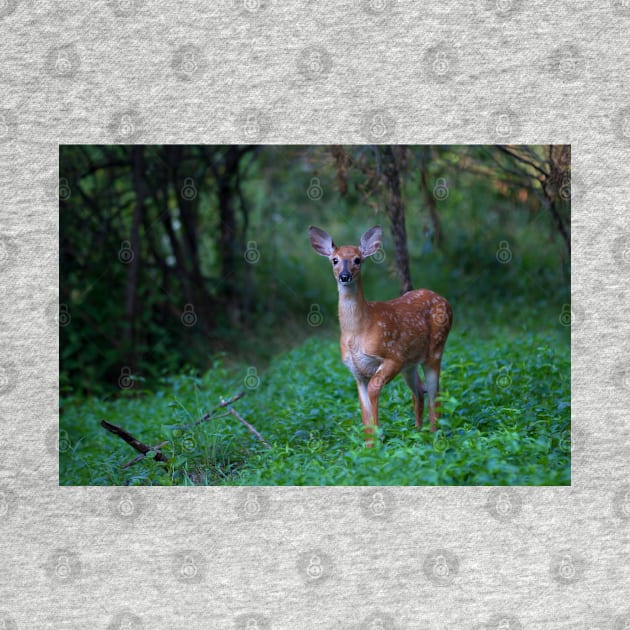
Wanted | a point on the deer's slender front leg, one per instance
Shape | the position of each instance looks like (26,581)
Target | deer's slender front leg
(385,373)
(366,411)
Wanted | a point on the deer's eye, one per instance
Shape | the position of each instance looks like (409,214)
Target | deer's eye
(335,261)
(357,261)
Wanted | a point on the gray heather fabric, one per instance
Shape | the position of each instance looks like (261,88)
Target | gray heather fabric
(304,72)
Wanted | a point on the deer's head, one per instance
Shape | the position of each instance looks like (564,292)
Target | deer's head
(346,260)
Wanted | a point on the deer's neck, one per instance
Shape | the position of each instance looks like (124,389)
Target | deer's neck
(352,307)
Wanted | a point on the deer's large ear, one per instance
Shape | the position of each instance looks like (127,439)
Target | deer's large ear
(371,241)
(321,241)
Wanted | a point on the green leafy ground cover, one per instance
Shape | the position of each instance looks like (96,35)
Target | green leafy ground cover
(505,421)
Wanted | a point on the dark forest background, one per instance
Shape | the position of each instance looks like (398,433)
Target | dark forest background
(174,255)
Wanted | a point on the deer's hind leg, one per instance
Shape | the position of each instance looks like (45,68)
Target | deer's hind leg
(432,383)
(412,378)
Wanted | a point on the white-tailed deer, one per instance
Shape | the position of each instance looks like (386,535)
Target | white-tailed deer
(382,339)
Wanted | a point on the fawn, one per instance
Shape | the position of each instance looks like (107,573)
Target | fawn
(382,339)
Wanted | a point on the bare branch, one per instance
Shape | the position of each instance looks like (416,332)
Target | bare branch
(132,441)
(144,449)
(504,149)
(248,425)
(230,411)
(140,457)
(520,174)
(208,416)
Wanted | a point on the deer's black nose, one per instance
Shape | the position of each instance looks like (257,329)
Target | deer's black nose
(344,276)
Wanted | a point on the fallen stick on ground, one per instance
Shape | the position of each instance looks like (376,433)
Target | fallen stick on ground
(143,448)
(207,416)
(247,424)
(140,457)
(134,442)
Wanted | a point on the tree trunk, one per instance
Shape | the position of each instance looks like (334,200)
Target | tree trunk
(133,266)
(555,184)
(429,198)
(228,245)
(248,280)
(187,185)
(396,211)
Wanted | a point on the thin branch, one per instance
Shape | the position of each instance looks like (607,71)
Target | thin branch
(532,154)
(520,173)
(248,425)
(208,416)
(520,158)
(230,411)
(478,169)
